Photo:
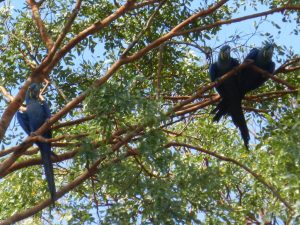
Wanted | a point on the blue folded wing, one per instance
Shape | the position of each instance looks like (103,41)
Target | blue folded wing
(46,109)
(271,67)
(252,54)
(213,72)
(23,121)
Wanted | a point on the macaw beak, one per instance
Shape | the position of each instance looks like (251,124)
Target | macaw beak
(225,54)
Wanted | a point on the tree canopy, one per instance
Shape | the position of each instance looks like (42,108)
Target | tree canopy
(131,105)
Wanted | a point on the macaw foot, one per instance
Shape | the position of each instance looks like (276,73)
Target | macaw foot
(33,134)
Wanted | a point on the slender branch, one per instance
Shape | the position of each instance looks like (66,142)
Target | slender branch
(274,78)
(70,123)
(198,106)
(224,158)
(60,91)
(247,108)
(230,21)
(146,27)
(290,62)
(268,94)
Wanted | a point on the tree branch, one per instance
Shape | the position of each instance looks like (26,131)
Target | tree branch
(70,123)
(29,212)
(40,24)
(230,21)
(9,97)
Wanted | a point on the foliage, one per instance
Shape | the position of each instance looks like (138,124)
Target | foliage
(142,178)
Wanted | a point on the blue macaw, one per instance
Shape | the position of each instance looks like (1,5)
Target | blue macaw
(248,78)
(231,103)
(37,112)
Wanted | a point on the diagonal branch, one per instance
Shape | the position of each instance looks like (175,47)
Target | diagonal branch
(29,212)
(40,24)
(222,22)
(274,78)
(9,97)
(64,31)
(13,107)
(70,123)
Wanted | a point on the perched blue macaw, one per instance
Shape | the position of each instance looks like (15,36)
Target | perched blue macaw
(37,112)
(248,78)
(231,103)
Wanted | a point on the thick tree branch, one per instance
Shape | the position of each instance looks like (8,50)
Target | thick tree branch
(29,212)
(64,31)
(174,31)
(38,161)
(49,64)
(40,24)
(9,97)
(12,108)
(274,78)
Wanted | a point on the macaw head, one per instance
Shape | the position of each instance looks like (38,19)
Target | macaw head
(224,52)
(267,51)
(33,91)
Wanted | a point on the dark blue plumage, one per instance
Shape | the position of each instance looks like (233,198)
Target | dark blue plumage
(37,112)
(231,103)
(248,78)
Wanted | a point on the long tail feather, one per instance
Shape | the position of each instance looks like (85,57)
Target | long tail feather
(238,118)
(48,168)
(220,110)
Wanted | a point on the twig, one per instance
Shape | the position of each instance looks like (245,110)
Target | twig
(274,78)
(146,27)
(70,123)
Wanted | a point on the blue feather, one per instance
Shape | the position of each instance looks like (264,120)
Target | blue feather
(33,118)
(231,103)
(249,79)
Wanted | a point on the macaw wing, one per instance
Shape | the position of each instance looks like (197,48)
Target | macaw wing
(271,68)
(47,114)
(23,121)
(252,54)
(46,109)
(213,71)
(234,63)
